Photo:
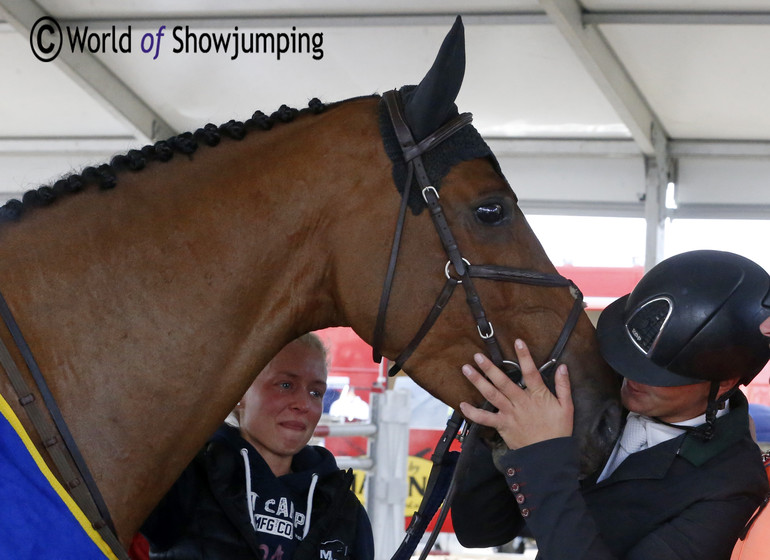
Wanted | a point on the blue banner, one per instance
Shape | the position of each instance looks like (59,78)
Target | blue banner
(38,518)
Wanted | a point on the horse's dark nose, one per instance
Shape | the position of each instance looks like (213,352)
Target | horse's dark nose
(608,426)
(599,440)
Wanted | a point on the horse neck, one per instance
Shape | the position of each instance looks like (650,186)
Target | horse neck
(151,307)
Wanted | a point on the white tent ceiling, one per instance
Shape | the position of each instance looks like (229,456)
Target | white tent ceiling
(591,106)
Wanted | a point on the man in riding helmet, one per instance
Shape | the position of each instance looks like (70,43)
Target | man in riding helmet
(691,319)
(685,475)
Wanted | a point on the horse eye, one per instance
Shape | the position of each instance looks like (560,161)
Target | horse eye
(490,214)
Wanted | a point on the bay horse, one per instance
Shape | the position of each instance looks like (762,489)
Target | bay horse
(152,297)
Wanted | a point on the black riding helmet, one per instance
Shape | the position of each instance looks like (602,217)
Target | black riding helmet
(693,317)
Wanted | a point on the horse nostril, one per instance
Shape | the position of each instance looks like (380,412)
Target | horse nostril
(598,437)
(608,425)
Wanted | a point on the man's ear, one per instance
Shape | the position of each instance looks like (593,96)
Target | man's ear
(764,328)
(728,384)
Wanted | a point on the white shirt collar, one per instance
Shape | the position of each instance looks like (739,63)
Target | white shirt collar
(656,433)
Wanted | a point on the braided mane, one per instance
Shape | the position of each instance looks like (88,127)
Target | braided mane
(105,175)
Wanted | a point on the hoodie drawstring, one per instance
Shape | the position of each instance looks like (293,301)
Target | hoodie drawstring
(249,502)
(309,509)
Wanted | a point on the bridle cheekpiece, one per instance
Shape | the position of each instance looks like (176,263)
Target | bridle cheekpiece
(464,271)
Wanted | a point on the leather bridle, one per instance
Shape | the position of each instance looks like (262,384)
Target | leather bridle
(464,272)
(441,485)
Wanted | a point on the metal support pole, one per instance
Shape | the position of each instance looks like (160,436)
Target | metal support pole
(659,171)
(388,484)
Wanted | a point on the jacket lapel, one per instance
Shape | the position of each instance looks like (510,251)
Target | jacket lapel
(652,463)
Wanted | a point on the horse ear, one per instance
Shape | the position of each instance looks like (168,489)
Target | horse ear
(431,103)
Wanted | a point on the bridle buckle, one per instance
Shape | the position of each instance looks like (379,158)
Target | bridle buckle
(490,334)
(449,276)
(431,188)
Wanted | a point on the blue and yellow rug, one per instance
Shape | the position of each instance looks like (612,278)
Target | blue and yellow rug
(38,518)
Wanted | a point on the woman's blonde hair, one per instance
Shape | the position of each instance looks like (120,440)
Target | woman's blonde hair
(312,340)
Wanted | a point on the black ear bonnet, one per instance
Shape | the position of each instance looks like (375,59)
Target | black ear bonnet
(427,107)
(464,145)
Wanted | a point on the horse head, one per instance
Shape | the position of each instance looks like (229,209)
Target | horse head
(481,236)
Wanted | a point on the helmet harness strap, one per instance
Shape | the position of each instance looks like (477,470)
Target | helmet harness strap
(713,406)
(706,431)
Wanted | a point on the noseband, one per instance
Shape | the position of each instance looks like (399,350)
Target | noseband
(464,271)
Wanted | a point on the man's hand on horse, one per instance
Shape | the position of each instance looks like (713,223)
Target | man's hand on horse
(524,416)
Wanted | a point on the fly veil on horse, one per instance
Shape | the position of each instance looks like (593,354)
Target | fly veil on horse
(148,307)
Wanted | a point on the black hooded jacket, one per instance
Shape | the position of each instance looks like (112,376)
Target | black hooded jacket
(310,513)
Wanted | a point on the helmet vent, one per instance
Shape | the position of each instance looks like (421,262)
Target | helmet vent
(646,324)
